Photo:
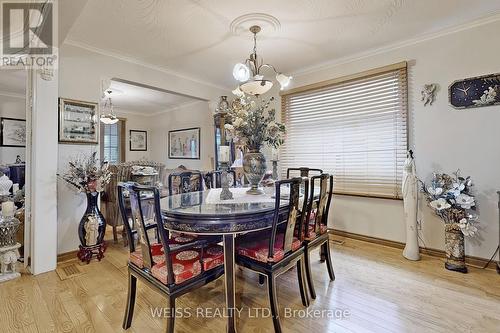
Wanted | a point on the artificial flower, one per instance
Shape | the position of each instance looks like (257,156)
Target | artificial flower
(440,204)
(468,229)
(435,191)
(457,189)
(465,201)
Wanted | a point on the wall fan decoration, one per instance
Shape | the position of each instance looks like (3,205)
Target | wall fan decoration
(475,92)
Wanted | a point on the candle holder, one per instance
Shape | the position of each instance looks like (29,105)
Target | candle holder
(225,194)
(275,169)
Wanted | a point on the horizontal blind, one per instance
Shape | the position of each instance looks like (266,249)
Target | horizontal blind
(356,130)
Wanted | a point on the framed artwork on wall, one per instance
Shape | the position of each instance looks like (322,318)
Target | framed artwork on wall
(13,132)
(184,144)
(78,122)
(475,92)
(138,140)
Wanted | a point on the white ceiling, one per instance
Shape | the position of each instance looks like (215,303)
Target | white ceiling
(13,82)
(193,37)
(132,98)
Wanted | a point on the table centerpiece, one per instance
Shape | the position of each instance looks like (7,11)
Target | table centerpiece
(254,126)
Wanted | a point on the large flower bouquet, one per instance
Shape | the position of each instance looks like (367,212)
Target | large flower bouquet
(87,175)
(254,126)
(451,199)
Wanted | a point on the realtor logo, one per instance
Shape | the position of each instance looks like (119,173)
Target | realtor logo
(28,33)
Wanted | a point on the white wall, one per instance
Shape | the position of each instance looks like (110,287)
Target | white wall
(136,122)
(12,107)
(80,77)
(444,139)
(189,116)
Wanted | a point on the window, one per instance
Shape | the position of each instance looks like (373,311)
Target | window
(354,128)
(112,144)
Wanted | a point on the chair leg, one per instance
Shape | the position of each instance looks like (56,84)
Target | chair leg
(129,310)
(271,284)
(328,258)
(302,283)
(171,317)
(115,234)
(310,283)
(322,253)
(262,279)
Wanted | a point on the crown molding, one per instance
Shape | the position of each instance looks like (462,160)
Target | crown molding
(12,95)
(493,17)
(138,62)
(177,107)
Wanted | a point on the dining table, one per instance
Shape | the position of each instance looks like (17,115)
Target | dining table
(204,213)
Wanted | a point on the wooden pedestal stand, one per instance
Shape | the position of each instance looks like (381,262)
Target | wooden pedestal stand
(86,253)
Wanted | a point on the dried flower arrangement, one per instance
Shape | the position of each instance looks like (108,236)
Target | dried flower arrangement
(254,126)
(87,175)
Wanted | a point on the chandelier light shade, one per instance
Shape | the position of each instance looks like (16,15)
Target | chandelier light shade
(108,118)
(250,73)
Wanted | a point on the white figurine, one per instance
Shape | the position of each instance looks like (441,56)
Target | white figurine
(428,93)
(410,193)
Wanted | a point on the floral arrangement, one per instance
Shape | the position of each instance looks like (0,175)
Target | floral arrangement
(87,175)
(451,200)
(254,126)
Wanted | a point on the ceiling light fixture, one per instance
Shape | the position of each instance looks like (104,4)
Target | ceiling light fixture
(110,118)
(256,84)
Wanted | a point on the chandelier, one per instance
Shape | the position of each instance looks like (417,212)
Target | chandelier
(249,73)
(110,117)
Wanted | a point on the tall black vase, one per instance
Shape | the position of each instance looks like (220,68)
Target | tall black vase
(92,225)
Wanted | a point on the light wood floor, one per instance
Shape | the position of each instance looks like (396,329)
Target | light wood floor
(381,291)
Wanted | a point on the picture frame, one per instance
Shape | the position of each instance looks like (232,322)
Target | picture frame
(138,140)
(13,132)
(184,143)
(78,122)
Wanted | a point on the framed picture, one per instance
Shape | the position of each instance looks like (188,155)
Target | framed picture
(13,132)
(138,140)
(78,122)
(184,144)
(475,92)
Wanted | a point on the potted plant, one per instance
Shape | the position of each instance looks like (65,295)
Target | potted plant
(254,126)
(451,199)
(88,176)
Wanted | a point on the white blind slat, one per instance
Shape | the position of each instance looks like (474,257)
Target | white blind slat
(356,130)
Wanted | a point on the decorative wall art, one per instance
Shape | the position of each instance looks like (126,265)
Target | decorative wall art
(184,144)
(13,132)
(138,140)
(475,92)
(78,122)
(428,93)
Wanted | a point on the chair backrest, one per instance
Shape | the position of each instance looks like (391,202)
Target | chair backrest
(213,179)
(303,171)
(293,216)
(145,207)
(319,206)
(187,181)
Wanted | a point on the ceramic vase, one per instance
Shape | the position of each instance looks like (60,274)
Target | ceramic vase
(454,248)
(254,168)
(92,225)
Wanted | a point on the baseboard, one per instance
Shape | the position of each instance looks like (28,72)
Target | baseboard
(470,260)
(66,256)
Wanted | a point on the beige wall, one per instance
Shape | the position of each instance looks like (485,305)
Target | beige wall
(444,139)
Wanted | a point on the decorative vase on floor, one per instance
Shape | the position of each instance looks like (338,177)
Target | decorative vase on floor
(254,168)
(454,248)
(91,230)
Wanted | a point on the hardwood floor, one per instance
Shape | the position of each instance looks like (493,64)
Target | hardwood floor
(377,289)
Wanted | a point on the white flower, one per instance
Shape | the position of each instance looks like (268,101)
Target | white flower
(435,191)
(238,122)
(457,189)
(465,201)
(252,104)
(468,229)
(229,127)
(440,204)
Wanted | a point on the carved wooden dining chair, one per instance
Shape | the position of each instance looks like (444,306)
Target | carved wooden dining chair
(184,182)
(173,267)
(213,179)
(316,230)
(303,171)
(275,251)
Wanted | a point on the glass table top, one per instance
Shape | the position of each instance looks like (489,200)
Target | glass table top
(208,203)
